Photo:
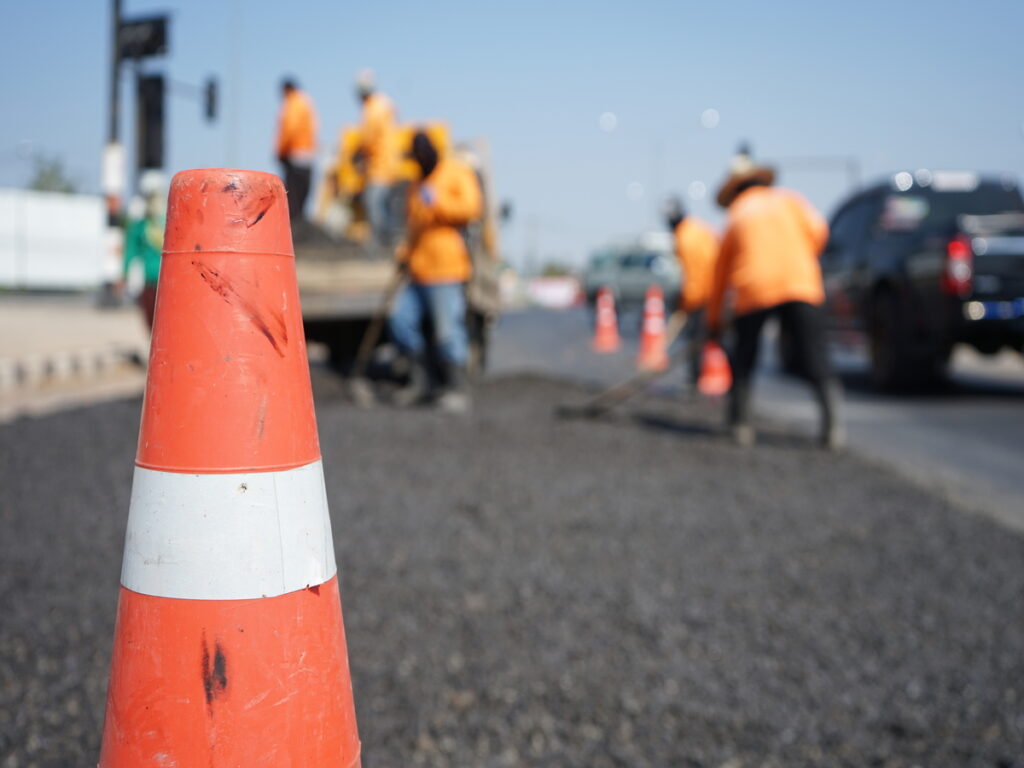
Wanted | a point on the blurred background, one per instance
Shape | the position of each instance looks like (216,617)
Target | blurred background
(593,112)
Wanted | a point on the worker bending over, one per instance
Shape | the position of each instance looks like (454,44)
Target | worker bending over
(378,156)
(296,145)
(446,198)
(696,248)
(769,263)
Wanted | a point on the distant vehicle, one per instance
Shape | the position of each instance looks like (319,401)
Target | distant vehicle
(922,262)
(627,270)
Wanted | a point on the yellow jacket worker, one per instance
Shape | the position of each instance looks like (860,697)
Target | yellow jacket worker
(296,144)
(379,156)
(768,263)
(696,246)
(446,198)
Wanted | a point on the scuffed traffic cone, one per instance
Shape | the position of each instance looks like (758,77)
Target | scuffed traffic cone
(715,374)
(653,354)
(606,326)
(229,648)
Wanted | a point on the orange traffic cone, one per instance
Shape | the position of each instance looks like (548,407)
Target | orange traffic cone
(653,353)
(229,647)
(715,373)
(606,327)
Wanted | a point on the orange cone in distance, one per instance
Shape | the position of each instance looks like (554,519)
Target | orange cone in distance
(653,354)
(229,647)
(715,374)
(606,326)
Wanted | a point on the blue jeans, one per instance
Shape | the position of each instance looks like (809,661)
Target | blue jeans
(445,304)
(379,204)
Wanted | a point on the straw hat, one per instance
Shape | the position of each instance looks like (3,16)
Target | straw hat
(742,169)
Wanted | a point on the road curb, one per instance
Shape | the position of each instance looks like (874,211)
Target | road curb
(32,371)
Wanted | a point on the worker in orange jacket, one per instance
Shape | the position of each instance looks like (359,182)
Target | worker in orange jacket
(296,145)
(768,262)
(696,246)
(446,198)
(378,156)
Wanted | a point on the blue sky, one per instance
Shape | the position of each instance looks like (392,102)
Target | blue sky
(898,85)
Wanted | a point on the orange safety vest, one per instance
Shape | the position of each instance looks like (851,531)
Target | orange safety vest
(436,250)
(378,139)
(769,253)
(697,250)
(296,133)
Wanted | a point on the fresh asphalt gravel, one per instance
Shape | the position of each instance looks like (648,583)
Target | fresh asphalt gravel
(521,590)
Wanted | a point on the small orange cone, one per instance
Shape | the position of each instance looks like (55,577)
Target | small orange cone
(715,373)
(653,353)
(606,327)
(229,648)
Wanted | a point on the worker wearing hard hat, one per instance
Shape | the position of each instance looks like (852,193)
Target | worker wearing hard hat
(696,247)
(445,198)
(144,240)
(378,156)
(769,263)
(296,145)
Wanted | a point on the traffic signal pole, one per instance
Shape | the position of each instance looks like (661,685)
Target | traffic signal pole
(112,170)
(115,71)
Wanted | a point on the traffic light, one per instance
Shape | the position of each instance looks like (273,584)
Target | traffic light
(210,99)
(150,105)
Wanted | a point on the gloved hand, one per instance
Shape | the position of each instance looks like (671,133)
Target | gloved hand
(427,195)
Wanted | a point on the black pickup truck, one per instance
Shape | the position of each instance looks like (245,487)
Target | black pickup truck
(922,262)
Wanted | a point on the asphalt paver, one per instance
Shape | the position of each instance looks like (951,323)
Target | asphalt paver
(523,590)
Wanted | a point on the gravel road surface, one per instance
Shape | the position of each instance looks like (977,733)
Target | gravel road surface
(525,591)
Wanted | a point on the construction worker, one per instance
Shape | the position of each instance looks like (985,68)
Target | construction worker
(144,239)
(378,156)
(768,261)
(445,198)
(296,145)
(696,247)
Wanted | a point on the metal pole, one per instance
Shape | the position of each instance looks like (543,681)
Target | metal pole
(115,71)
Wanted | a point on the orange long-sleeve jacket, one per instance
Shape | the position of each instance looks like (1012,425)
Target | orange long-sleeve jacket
(447,199)
(378,139)
(769,253)
(296,132)
(697,250)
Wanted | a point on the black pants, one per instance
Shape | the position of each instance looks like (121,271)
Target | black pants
(296,182)
(805,323)
(694,337)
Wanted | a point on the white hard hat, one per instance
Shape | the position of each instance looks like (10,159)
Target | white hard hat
(151,182)
(366,81)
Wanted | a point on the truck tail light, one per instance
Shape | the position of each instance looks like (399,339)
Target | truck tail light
(959,271)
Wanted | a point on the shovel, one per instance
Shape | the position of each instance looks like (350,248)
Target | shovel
(359,387)
(609,398)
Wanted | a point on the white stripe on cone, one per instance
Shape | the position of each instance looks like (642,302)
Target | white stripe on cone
(228,536)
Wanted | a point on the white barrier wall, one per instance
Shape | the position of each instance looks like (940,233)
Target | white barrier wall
(51,240)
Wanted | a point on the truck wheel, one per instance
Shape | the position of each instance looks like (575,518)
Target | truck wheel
(891,366)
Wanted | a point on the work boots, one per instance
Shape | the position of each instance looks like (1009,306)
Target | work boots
(417,382)
(453,396)
(830,397)
(740,427)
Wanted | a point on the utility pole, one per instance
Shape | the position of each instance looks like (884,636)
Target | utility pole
(115,72)
(112,168)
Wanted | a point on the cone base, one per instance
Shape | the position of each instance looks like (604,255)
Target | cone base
(220,683)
